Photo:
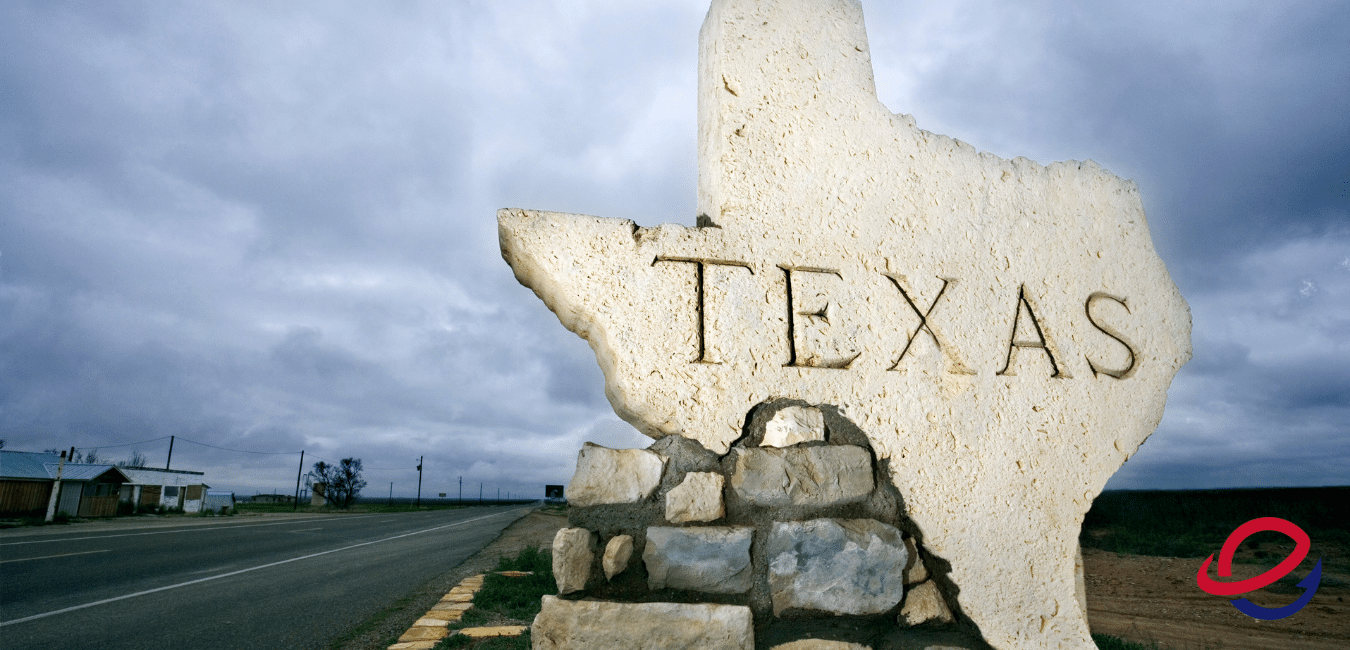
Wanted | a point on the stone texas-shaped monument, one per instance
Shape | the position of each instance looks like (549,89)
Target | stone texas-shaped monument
(1002,331)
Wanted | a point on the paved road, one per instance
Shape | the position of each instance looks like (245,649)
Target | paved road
(241,583)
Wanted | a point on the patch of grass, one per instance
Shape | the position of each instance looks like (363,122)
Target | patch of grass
(1194,523)
(521,642)
(35,520)
(530,558)
(507,601)
(515,598)
(1108,642)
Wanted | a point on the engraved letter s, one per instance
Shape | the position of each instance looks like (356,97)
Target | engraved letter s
(1109,331)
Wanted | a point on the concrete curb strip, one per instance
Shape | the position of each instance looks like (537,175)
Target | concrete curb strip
(433,626)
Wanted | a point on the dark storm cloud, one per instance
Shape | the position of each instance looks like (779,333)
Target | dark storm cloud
(271,227)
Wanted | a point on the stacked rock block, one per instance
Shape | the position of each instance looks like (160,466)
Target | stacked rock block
(797,520)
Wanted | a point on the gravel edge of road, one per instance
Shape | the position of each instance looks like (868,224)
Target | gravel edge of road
(384,627)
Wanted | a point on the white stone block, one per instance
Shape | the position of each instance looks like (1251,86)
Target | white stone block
(924,603)
(820,644)
(915,570)
(617,553)
(573,552)
(597,625)
(697,498)
(793,425)
(608,476)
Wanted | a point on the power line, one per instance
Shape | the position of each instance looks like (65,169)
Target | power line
(127,444)
(245,451)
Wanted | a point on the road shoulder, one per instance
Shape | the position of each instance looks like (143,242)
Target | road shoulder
(376,633)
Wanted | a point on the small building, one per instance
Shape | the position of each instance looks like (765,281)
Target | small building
(167,488)
(273,498)
(218,500)
(34,483)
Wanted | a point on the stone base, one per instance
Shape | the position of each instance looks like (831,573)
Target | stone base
(596,625)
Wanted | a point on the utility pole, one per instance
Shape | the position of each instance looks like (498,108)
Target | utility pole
(419,482)
(461,490)
(480,486)
(297,475)
(170,460)
(56,488)
(391,493)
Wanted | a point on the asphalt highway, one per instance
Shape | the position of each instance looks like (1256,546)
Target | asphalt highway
(227,583)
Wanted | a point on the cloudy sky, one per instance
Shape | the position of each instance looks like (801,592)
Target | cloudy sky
(271,226)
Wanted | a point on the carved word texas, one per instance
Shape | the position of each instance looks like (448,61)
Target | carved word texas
(798,319)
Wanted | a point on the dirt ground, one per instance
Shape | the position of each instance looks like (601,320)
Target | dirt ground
(1154,599)
(1142,599)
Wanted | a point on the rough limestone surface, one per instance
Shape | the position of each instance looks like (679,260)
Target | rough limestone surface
(697,498)
(1079,582)
(924,603)
(802,476)
(820,644)
(843,566)
(794,425)
(606,476)
(1003,331)
(573,552)
(597,625)
(617,553)
(713,559)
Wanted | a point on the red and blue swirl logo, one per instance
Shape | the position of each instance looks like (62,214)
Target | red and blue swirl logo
(1225,569)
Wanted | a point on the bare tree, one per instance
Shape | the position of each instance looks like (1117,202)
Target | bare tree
(342,482)
(92,457)
(137,460)
(75,456)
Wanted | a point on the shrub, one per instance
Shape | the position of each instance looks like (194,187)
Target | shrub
(1107,642)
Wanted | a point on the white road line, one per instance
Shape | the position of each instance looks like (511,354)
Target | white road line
(179,530)
(48,557)
(235,573)
(303,530)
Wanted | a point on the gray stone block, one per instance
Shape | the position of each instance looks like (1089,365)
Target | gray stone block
(803,476)
(713,559)
(842,566)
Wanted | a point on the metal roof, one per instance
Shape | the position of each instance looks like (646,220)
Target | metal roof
(148,476)
(26,464)
(84,471)
(45,466)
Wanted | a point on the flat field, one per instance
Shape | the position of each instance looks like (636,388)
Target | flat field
(1142,549)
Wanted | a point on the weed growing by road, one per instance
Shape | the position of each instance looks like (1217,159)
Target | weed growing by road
(530,558)
(1108,642)
(505,600)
